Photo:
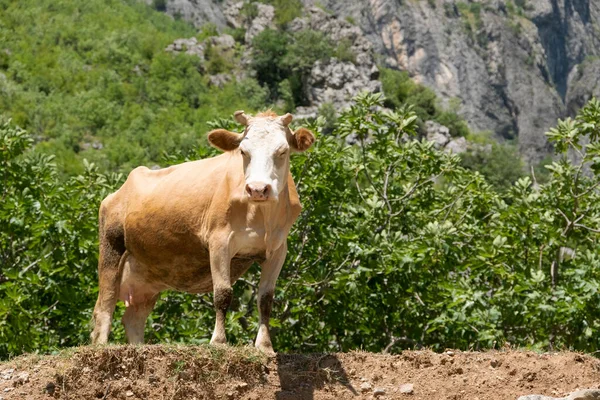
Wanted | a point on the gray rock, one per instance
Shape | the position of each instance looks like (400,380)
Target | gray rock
(223,41)
(189,46)
(378,392)
(219,80)
(232,14)
(7,374)
(457,146)
(265,19)
(583,84)
(365,387)
(22,378)
(437,133)
(407,388)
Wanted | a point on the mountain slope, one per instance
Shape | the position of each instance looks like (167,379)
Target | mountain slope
(514,66)
(92,80)
(508,63)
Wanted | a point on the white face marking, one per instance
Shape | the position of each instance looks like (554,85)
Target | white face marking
(265,151)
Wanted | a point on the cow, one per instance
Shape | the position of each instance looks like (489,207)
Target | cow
(197,227)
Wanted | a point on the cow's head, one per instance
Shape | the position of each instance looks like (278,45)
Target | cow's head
(265,148)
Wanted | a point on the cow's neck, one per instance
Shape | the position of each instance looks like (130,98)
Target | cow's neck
(273,213)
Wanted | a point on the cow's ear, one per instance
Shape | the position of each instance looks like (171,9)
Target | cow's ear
(301,139)
(224,140)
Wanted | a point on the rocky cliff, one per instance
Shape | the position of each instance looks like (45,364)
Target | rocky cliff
(514,66)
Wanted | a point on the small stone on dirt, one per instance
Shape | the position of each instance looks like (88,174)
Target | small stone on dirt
(153,379)
(7,374)
(530,376)
(185,376)
(22,378)
(365,387)
(241,386)
(407,388)
(129,393)
(8,389)
(50,387)
(495,363)
(378,392)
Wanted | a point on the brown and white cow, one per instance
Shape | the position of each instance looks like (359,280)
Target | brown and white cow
(198,226)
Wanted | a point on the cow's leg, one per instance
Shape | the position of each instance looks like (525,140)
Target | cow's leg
(268,276)
(135,318)
(220,262)
(110,265)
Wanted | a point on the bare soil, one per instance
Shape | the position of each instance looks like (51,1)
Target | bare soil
(208,372)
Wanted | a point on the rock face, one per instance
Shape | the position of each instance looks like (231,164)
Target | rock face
(198,12)
(508,65)
(515,66)
(191,46)
(334,81)
(265,18)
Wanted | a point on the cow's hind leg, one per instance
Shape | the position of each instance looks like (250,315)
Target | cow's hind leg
(135,318)
(220,262)
(110,266)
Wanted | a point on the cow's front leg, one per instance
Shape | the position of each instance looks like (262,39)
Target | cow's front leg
(220,261)
(268,276)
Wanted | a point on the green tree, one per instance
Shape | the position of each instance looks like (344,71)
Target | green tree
(425,251)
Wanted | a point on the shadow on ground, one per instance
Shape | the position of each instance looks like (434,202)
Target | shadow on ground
(301,375)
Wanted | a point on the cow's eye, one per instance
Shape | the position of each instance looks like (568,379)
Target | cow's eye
(282,153)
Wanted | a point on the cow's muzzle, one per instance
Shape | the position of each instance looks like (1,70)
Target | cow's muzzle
(258,191)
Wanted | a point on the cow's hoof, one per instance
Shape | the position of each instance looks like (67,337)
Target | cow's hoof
(267,350)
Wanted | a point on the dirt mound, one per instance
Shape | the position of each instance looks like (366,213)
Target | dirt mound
(208,372)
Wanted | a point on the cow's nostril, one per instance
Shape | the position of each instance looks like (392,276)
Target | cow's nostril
(258,191)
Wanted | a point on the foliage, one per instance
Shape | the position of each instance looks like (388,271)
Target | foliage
(268,51)
(159,5)
(344,52)
(48,247)
(282,61)
(285,10)
(400,91)
(499,163)
(398,246)
(78,73)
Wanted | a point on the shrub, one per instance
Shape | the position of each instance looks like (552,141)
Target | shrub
(268,51)
(400,90)
(160,5)
(344,52)
(392,230)
(286,10)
